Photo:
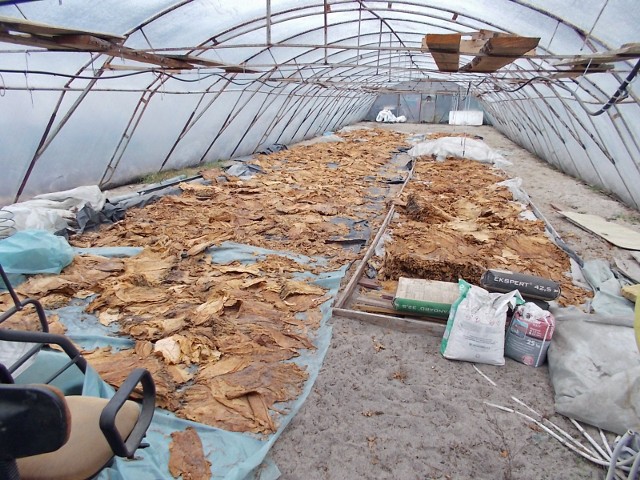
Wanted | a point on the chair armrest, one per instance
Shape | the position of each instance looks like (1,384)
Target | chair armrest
(119,446)
(34,418)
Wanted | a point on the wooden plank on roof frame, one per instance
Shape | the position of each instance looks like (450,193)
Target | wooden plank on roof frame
(445,50)
(575,71)
(88,43)
(626,52)
(500,51)
(212,63)
(485,34)
(10,24)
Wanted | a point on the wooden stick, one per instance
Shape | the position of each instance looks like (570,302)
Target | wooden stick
(355,278)
(406,325)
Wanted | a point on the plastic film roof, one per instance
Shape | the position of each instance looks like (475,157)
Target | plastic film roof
(278,71)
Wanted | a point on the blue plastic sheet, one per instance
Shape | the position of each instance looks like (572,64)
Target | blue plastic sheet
(234,456)
(31,252)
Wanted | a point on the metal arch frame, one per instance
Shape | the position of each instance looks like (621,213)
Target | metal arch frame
(572,131)
(599,142)
(49,135)
(518,2)
(224,127)
(127,134)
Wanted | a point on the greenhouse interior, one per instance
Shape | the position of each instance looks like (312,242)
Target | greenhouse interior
(320,239)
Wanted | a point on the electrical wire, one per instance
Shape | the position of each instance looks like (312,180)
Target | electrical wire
(131,74)
(622,89)
(620,92)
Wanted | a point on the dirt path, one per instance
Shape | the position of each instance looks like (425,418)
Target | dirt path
(387,405)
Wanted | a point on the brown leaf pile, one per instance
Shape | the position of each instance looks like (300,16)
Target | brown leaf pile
(295,206)
(215,337)
(456,223)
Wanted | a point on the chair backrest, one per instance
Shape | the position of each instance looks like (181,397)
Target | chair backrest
(17,356)
(20,347)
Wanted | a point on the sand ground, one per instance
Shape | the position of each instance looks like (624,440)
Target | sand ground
(386,405)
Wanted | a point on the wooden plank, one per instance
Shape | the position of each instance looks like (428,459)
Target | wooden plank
(445,50)
(471,47)
(375,302)
(485,34)
(626,52)
(578,70)
(212,63)
(500,51)
(11,24)
(363,307)
(406,325)
(369,283)
(83,42)
(94,44)
(89,43)
(355,278)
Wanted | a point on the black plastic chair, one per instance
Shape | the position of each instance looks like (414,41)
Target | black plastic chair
(47,435)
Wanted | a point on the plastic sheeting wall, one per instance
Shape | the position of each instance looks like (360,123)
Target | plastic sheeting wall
(175,131)
(590,148)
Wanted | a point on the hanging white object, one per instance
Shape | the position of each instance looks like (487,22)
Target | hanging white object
(466,117)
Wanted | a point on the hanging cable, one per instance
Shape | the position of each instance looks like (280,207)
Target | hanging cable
(620,92)
(131,74)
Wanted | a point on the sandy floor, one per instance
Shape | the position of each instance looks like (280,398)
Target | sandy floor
(387,405)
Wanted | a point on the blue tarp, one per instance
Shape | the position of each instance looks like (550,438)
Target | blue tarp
(232,455)
(31,252)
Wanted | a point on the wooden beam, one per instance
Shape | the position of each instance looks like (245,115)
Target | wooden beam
(500,51)
(626,52)
(355,278)
(89,43)
(83,42)
(445,50)
(578,70)
(10,24)
(406,325)
(212,63)
(485,34)
(471,47)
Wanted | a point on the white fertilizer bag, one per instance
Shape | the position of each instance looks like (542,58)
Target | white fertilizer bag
(475,329)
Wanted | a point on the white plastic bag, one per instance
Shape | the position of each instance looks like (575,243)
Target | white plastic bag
(385,116)
(475,329)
